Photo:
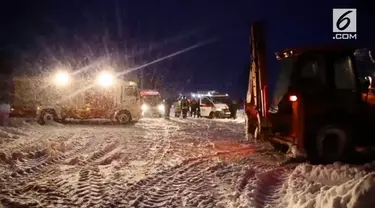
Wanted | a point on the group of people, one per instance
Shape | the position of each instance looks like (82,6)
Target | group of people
(193,107)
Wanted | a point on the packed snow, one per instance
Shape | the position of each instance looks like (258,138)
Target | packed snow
(165,163)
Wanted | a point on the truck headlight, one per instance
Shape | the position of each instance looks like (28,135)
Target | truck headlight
(62,78)
(105,79)
(144,107)
(161,107)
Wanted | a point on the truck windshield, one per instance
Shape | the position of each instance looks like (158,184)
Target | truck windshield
(282,83)
(130,91)
(152,99)
(221,99)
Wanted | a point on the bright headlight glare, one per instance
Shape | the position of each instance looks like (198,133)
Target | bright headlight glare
(62,78)
(161,107)
(105,79)
(144,107)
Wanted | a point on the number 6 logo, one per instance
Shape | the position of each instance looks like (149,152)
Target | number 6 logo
(343,19)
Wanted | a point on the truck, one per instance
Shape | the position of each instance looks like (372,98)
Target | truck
(152,103)
(61,96)
(322,107)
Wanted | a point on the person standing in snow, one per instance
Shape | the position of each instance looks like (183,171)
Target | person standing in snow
(233,109)
(184,107)
(193,107)
(199,108)
(167,105)
(4,111)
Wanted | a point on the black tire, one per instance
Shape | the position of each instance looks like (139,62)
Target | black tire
(212,115)
(47,116)
(217,115)
(123,117)
(329,144)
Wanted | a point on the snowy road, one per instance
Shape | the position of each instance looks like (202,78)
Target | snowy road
(164,163)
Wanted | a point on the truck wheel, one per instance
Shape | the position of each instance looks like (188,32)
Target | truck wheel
(212,115)
(331,143)
(123,117)
(217,115)
(46,117)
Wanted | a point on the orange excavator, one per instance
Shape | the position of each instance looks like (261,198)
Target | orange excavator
(322,107)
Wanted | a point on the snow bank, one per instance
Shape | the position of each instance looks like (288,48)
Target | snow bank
(20,122)
(333,186)
(8,133)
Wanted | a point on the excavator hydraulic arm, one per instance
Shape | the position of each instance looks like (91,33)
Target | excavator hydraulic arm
(256,98)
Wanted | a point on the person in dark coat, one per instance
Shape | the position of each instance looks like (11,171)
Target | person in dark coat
(233,107)
(241,103)
(4,110)
(184,107)
(193,107)
(167,105)
(198,108)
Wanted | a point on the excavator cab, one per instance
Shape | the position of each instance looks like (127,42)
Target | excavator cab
(320,104)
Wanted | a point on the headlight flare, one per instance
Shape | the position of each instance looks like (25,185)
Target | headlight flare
(62,78)
(105,79)
(161,107)
(144,107)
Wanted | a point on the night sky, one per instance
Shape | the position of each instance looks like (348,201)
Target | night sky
(39,35)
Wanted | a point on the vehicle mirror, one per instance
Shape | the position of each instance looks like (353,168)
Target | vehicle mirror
(365,84)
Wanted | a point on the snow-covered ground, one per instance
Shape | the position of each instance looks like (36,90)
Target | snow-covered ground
(165,163)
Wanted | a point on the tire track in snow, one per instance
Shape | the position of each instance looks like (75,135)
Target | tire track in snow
(47,162)
(46,168)
(91,184)
(32,156)
(266,186)
(193,183)
(48,194)
(258,185)
(16,151)
(161,190)
(90,189)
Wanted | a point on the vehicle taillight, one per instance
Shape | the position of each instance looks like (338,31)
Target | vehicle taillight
(293,98)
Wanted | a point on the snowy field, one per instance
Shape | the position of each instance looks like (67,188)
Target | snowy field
(165,163)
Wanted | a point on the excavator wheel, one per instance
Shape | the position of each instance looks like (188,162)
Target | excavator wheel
(329,144)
